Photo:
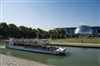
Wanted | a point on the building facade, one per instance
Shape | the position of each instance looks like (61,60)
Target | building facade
(95,30)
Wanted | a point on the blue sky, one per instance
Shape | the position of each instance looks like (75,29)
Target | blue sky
(48,14)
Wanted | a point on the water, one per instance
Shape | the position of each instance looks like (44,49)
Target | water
(74,56)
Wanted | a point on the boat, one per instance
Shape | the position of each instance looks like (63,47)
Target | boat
(45,48)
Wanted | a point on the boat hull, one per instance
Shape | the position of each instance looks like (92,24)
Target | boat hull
(35,50)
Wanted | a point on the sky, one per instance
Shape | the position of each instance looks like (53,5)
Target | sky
(49,14)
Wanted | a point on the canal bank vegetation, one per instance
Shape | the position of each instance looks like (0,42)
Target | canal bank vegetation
(2,42)
(12,31)
(26,43)
(77,40)
(55,35)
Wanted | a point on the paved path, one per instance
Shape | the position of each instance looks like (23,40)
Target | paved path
(13,61)
(76,44)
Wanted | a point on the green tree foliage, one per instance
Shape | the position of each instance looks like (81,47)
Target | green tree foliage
(41,34)
(56,33)
(26,32)
(11,30)
(4,30)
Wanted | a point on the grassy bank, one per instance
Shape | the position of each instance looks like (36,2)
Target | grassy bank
(78,40)
(2,42)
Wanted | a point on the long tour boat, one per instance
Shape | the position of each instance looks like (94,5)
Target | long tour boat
(44,48)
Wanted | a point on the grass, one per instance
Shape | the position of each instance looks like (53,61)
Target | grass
(2,43)
(78,40)
(67,40)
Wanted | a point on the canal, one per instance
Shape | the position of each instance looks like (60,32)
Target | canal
(75,56)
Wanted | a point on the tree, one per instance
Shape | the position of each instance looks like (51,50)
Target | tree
(4,30)
(41,34)
(13,31)
(23,31)
(56,33)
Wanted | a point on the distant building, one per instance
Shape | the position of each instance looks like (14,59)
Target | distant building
(95,30)
(83,29)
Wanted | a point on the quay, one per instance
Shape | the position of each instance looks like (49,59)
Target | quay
(87,45)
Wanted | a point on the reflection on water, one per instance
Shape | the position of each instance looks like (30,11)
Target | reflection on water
(74,56)
(68,54)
